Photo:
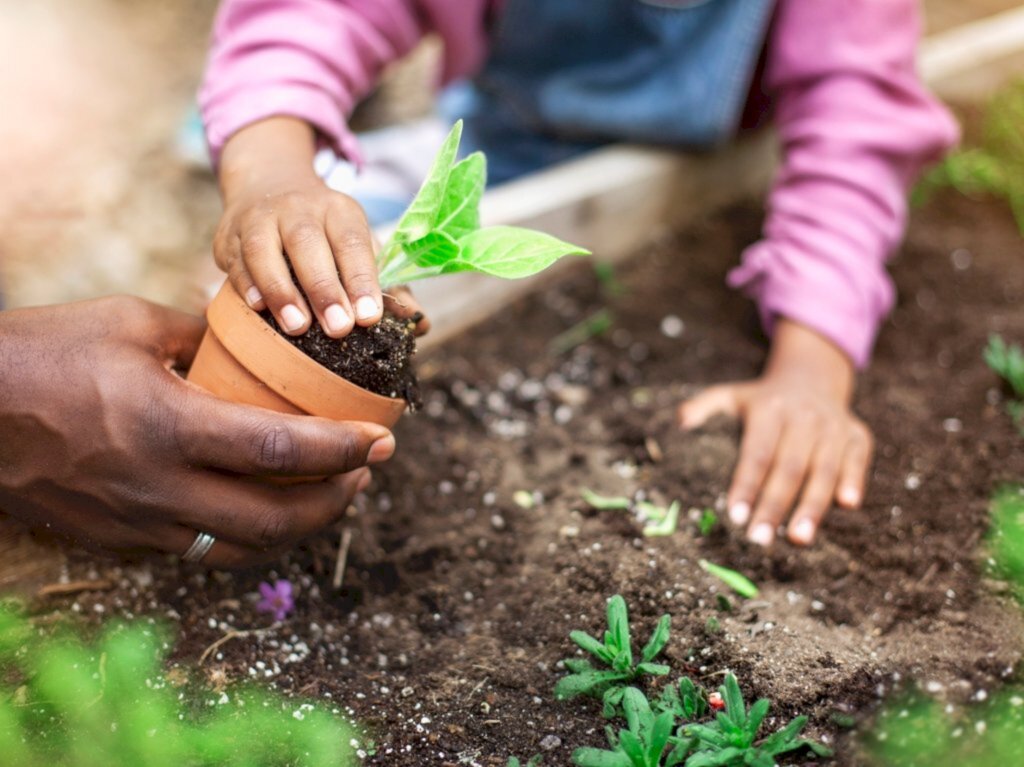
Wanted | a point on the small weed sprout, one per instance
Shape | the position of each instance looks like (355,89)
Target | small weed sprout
(513,761)
(706,522)
(615,654)
(658,520)
(734,580)
(1007,361)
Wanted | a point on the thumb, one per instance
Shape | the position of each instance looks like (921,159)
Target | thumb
(723,399)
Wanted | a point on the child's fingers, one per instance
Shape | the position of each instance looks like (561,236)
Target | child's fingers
(716,400)
(401,302)
(310,255)
(853,475)
(819,491)
(787,475)
(352,244)
(264,259)
(240,278)
(757,451)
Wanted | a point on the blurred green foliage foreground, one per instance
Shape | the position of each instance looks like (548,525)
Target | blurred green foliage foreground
(916,731)
(65,702)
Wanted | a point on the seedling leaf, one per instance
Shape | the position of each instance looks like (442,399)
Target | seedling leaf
(440,231)
(668,525)
(596,757)
(603,502)
(734,580)
(658,639)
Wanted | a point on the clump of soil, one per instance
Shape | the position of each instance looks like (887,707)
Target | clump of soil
(377,358)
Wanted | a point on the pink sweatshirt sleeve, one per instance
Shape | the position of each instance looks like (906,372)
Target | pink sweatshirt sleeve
(314,59)
(856,126)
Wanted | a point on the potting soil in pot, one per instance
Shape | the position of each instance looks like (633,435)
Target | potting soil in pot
(377,358)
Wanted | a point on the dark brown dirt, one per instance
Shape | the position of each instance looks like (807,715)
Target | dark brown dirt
(378,358)
(457,602)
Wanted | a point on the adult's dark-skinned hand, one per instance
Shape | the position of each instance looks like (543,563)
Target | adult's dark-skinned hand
(102,442)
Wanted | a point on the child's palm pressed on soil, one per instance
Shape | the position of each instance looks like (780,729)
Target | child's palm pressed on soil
(802,448)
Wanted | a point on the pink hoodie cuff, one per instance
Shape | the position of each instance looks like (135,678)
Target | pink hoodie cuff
(785,282)
(229,115)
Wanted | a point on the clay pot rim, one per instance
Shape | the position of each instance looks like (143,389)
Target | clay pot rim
(307,384)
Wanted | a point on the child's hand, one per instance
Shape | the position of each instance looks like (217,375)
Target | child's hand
(275,204)
(799,437)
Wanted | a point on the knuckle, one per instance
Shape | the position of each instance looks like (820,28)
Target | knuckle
(352,243)
(279,291)
(792,472)
(323,287)
(273,528)
(303,233)
(274,448)
(256,246)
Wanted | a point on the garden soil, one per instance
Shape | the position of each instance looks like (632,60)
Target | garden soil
(473,556)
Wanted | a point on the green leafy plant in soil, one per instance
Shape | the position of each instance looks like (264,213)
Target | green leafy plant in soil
(1005,541)
(66,702)
(1007,361)
(676,728)
(616,666)
(659,521)
(994,168)
(440,232)
(916,731)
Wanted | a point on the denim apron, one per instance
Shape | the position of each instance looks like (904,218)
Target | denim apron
(567,76)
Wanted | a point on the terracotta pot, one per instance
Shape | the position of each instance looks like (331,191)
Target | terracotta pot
(243,359)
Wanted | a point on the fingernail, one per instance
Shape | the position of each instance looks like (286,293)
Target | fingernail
(761,534)
(381,450)
(292,318)
(739,513)
(849,496)
(364,481)
(366,308)
(253,296)
(336,319)
(803,531)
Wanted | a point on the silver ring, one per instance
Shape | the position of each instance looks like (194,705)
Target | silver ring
(200,548)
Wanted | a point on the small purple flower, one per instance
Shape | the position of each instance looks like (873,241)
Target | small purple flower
(278,599)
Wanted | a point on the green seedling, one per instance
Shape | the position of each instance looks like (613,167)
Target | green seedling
(1005,541)
(662,521)
(1008,363)
(534,762)
(994,168)
(592,326)
(707,522)
(523,499)
(610,284)
(615,656)
(685,700)
(731,739)
(108,703)
(734,580)
(440,232)
(647,741)
(604,502)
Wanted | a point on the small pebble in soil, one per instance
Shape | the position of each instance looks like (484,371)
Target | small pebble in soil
(550,742)
(961,258)
(912,481)
(672,326)
(952,425)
